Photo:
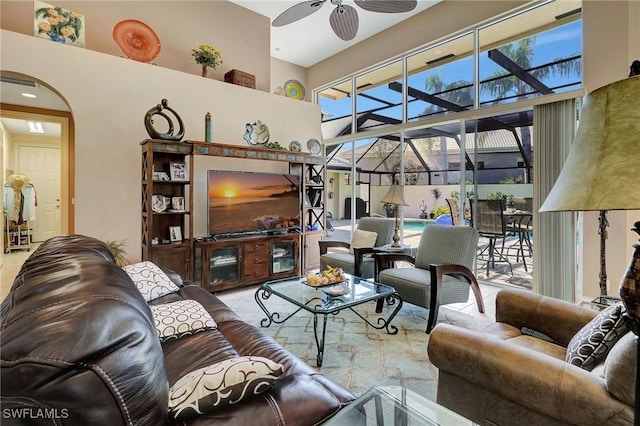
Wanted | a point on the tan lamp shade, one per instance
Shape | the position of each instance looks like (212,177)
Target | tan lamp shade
(395,195)
(602,171)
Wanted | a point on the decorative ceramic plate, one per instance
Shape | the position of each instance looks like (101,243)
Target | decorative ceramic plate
(295,146)
(294,89)
(136,40)
(314,146)
(336,290)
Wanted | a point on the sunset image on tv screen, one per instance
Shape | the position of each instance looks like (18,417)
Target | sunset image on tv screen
(248,201)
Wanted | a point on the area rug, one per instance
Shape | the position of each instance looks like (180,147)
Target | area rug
(356,355)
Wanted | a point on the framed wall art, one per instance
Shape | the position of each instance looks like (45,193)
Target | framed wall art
(57,24)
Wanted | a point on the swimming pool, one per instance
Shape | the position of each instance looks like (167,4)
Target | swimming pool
(418,225)
(415,225)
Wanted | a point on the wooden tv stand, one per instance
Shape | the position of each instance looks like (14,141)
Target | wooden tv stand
(244,260)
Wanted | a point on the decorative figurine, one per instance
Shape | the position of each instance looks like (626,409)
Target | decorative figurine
(256,133)
(158,110)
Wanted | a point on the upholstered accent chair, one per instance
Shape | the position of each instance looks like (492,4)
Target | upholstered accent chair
(526,368)
(440,272)
(358,260)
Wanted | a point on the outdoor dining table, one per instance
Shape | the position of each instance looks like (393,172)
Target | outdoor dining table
(521,223)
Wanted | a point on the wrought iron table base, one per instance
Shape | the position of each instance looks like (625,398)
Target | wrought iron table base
(263,294)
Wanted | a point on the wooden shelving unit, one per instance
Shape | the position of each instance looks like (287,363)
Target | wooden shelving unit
(157,226)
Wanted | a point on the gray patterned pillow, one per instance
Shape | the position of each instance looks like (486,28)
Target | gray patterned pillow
(221,384)
(150,280)
(593,342)
(183,318)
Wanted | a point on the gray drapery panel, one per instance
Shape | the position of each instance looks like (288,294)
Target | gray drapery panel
(554,233)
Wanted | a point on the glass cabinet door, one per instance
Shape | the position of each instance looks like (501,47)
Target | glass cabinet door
(224,265)
(283,256)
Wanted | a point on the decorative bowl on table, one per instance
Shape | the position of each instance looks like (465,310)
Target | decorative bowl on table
(336,289)
(327,277)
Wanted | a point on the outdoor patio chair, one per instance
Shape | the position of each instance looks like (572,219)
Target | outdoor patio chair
(356,258)
(488,217)
(440,273)
(453,207)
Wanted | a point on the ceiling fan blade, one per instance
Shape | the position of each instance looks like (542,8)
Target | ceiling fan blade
(387,6)
(344,21)
(297,12)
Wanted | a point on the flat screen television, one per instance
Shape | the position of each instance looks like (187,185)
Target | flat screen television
(252,202)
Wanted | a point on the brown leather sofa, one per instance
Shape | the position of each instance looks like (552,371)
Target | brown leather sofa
(502,376)
(79,346)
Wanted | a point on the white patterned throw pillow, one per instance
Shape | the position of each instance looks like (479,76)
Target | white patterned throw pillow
(362,239)
(593,342)
(150,280)
(179,319)
(221,384)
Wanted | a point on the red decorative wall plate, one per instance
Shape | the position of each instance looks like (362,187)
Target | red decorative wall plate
(137,40)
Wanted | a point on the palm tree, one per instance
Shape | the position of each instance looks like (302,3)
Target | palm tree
(459,92)
(503,83)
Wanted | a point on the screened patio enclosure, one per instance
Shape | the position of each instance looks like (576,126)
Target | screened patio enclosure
(453,120)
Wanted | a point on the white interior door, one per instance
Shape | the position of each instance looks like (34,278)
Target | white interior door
(42,166)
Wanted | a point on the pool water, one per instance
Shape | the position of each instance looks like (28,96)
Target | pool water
(414,225)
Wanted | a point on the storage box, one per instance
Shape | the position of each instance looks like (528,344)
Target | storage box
(240,78)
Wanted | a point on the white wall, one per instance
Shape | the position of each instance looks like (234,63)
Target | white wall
(282,71)
(240,34)
(109,97)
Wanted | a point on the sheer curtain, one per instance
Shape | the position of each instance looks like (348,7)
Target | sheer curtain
(554,233)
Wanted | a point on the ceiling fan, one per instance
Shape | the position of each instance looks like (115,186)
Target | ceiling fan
(344,18)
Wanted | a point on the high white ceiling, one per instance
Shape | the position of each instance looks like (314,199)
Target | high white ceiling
(310,40)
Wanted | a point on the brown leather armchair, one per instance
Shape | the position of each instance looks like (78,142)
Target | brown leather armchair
(502,376)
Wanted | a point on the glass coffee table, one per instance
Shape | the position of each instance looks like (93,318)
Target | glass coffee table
(398,406)
(320,301)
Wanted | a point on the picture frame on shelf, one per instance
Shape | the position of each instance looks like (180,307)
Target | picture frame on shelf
(178,171)
(161,177)
(160,203)
(175,234)
(177,204)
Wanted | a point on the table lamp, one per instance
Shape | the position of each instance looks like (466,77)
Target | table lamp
(395,196)
(602,173)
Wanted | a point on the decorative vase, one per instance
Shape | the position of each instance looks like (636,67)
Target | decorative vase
(204,70)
